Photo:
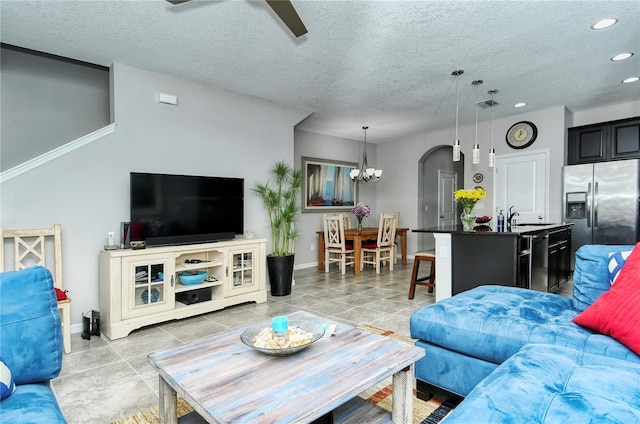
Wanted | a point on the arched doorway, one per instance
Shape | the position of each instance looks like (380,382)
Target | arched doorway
(438,178)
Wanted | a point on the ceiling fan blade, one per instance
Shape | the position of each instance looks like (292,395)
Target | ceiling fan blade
(177,1)
(287,13)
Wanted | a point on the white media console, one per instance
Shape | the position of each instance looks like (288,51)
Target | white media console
(142,287)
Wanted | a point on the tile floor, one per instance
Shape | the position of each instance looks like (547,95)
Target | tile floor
(104,380)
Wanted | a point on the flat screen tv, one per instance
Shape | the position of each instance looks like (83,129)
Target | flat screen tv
(182,209)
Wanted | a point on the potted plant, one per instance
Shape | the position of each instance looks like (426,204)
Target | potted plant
(280,197)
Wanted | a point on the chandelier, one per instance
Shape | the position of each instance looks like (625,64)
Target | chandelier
(365,173)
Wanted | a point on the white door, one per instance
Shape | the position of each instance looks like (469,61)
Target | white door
(521,182)
(447,183)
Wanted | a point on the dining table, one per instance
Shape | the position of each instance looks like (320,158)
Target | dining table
(358,236)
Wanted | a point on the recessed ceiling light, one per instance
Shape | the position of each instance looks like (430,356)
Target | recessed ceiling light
(605,23)
(521,104)
(622,56)
(632,79)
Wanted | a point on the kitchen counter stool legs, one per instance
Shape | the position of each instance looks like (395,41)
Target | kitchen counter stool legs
(430,280)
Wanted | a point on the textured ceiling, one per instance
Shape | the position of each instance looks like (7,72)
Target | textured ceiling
(386,64)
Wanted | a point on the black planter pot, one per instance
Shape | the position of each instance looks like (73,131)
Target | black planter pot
(280,274)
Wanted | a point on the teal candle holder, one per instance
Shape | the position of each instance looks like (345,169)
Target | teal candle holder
(280,324)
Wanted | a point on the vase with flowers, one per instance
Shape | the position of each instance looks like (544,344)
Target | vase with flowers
(468,199)
(361,211)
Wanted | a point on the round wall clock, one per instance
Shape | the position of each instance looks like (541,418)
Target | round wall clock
(521,135)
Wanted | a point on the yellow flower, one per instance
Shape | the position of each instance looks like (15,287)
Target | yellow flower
(469,197)
(474,194)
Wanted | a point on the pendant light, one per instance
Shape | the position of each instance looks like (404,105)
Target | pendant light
(365,173)
(476,146)
(492,151)
(456,143)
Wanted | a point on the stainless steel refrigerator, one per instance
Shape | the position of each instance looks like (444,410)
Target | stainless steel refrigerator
(601,199)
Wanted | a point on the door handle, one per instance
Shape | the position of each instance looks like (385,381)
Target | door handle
(595,206)
(588,203)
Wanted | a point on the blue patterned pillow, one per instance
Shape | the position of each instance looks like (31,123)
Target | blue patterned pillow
(6,381)
(616,262)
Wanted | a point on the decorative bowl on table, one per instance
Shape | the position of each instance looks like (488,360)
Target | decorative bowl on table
(483,219)
(301,334)
(192,277)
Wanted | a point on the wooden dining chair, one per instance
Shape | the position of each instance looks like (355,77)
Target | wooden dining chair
(36,247)
(395,242)
(335,246)
(383,248)
(346,218)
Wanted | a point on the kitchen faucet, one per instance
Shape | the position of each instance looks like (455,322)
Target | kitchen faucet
(510,216)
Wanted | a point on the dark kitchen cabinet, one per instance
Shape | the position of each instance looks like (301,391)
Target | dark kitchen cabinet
(587,145)
(606,141)
(558,259)
(480,259)
(524,262)
(625,140)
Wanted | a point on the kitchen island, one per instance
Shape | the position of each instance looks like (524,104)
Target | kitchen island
(534,256)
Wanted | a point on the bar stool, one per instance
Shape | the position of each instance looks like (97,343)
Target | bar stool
(430,280)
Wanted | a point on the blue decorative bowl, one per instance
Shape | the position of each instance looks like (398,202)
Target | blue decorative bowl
(192,277)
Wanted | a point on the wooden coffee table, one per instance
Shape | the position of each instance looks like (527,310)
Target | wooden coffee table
(228,382)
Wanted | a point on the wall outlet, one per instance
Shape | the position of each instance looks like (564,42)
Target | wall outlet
(313,247)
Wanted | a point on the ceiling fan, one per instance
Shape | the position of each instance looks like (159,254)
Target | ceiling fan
(285,11)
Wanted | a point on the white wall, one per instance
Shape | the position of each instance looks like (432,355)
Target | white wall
(607,113)
(47,102)
(211,132)
(332,148)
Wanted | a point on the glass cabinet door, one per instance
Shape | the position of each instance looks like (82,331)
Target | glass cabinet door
(242,278)
(148,285)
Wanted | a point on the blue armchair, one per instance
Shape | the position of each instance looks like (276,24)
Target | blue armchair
(31,345)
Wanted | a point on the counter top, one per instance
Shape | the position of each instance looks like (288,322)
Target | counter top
(490,230)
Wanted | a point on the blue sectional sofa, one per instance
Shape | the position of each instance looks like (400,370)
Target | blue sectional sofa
(516,355)
(30,346)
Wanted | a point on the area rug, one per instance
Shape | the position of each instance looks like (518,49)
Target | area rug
(424,412)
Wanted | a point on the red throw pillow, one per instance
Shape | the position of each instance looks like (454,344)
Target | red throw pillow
(61,295)
(617,312)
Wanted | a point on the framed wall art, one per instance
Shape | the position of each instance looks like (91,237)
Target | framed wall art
(327,185)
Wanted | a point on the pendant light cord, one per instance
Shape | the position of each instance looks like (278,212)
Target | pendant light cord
(492,92)
(457,78)
(365,162)
(476,104)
